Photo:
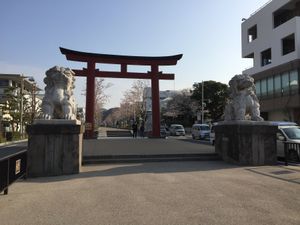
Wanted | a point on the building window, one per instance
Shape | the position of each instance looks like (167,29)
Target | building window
(270,84)
(252,33)
(285,83)
(257,88)
(263,86)
(294,81)
(4,83)
(266,57)
(281,16)
(288,44)
(277,85)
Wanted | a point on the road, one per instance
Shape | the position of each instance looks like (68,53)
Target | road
(12,148)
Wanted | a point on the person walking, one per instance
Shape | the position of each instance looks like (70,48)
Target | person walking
(134,130)
(142,130)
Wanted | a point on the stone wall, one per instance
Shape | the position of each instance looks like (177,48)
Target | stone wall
(54,149)
(246,142)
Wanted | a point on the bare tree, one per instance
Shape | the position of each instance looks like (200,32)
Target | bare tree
(133,103)
(100,99)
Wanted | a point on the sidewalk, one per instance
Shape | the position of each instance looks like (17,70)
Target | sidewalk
(12,142)
(159,194)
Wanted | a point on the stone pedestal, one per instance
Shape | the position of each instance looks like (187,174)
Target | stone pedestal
(248,143)
(54,148)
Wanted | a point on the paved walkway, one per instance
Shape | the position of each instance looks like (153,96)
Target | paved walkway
(158,193)
(139,146)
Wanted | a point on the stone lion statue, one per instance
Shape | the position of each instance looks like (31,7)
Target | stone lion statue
(242,101)
(58,102)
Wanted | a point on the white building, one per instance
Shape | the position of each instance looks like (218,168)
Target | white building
(271,39)
(164,97)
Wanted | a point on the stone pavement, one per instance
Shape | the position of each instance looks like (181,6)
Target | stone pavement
(158,193)
(140,146)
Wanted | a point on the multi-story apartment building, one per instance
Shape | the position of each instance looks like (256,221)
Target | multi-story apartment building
(164,97)
(23,85)
(15,80)
(271,39)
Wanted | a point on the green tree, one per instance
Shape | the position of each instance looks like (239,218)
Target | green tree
(215,96)
(12,106)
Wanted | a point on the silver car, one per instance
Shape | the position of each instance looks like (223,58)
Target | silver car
(200,131)
(289,133)
(177,130)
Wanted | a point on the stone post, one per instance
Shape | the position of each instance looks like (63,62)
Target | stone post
(54,147)
(249,143)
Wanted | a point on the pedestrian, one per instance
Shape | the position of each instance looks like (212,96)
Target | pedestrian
(142,129)
(134,130)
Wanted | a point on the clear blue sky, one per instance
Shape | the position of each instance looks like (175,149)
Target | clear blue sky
(207,33)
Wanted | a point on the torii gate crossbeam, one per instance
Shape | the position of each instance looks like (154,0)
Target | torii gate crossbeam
(91,73)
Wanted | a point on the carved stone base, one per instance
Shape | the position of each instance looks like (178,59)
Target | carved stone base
(54,149)
(246,142)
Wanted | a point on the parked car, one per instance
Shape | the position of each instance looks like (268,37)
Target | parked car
(288,132)
(163,132)
(177,130)
(200,131)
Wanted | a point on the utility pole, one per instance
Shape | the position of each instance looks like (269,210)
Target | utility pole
(21,105)
(202,103)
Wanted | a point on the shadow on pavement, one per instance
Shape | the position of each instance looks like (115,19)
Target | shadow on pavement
(205,142)
(138,168)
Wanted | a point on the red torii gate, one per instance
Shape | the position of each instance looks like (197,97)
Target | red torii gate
(91,72)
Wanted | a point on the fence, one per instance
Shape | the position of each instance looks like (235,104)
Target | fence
(12,167)
(291,152)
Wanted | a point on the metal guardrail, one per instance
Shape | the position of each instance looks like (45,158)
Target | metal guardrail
(12,167)
(289,150)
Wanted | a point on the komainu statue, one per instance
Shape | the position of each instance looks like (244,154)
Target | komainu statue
(242,101)
(58,102)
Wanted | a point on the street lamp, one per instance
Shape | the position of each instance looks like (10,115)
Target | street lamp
(202,103)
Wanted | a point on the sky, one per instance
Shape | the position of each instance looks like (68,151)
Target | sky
(207,33)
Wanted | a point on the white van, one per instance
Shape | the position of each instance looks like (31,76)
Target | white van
(200,131)
(177,130)
(288,132)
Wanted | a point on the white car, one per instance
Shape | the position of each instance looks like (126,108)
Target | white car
(177,130)
(200,131)
(288,132)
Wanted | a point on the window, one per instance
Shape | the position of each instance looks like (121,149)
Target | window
(266,57)
(281,16)
(294,83)
(252,33)
(277,85)
(285,83)
(257,88)
(4,83)
(288,44)
(270,82)
(263,86)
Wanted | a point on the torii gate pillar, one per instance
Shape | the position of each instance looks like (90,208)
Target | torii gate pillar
(155,102)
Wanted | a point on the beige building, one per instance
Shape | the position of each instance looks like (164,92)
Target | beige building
(25,86)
